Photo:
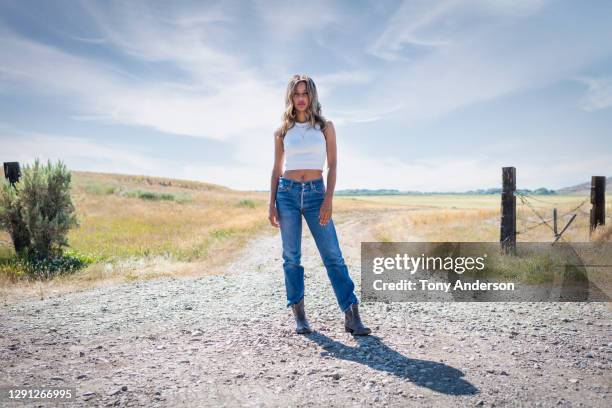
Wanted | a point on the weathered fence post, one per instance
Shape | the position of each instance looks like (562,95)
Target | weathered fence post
(12,172)
(598,201)
(508,211)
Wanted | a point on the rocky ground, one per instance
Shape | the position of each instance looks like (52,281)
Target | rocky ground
(229,341)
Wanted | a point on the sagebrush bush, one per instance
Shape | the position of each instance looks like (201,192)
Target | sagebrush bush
(38,212)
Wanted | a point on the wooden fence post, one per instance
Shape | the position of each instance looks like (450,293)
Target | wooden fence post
(598,201)
(12,172)
(508,211)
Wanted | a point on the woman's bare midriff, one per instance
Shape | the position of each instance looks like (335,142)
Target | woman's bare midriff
(303,175)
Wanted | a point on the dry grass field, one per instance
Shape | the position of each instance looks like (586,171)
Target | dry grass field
(139,227)
(475,218)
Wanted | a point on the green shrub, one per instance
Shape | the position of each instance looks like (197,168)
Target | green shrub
(99,188)
(38,212)
(150,195)
(44,268)
(11,217)
(221,233)
(247,203)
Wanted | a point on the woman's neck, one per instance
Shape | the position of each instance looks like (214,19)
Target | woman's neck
(301,117)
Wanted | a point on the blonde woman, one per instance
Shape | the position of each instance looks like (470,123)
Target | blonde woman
(302,144)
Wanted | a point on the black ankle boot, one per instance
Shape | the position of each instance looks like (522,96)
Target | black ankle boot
(352,322)
(302,326)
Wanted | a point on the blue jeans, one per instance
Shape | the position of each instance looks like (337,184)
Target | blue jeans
(294,198)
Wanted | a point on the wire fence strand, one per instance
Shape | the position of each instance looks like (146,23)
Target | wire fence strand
(525,200)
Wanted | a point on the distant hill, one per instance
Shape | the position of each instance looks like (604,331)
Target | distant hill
(86,178)
(584,188)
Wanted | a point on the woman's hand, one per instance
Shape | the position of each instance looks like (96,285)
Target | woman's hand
(325,212)
(273,216)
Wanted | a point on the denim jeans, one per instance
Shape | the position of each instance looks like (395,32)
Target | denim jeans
(294,199)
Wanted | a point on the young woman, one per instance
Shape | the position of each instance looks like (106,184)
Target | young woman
(303,142)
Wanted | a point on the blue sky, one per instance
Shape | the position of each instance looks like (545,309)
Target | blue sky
(424,95)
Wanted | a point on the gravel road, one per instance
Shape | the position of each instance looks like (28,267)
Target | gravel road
(228,340)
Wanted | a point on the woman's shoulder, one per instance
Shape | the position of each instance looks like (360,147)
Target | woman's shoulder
(329,126)
(278,133)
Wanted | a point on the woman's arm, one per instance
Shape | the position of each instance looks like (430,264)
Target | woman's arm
(326,208)
(277,171)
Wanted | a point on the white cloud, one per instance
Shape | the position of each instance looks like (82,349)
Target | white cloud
(453,173)
(490,51)
(599,93)
(286,21)
(327,82)
(86,154)
(346,116)
(433,25)
(403,28)
(82,153)
(102,91)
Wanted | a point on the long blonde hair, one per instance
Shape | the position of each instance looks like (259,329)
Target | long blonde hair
(313,114)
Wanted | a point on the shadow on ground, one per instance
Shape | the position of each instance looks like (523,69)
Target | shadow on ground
(372,352)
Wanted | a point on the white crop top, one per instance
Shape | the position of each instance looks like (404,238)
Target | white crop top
(305,147)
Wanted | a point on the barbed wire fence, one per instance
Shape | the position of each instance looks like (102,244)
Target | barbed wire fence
(528,199)
(509,214)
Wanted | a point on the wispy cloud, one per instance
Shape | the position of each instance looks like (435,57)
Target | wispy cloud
(89,154)
(76,152)
(286,21)
(443,172)
(110,94)
(599,93)
(404,28)
(490,50)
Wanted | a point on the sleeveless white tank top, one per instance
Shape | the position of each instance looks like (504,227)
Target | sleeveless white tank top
(305,147)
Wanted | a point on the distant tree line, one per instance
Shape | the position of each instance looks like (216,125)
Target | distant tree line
(488,191)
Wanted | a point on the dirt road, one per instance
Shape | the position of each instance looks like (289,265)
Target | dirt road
(229,341)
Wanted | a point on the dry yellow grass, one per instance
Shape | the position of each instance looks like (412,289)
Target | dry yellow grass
(140,227)
(439,218)
(135,238)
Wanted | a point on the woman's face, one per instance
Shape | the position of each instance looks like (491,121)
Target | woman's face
(301,99)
